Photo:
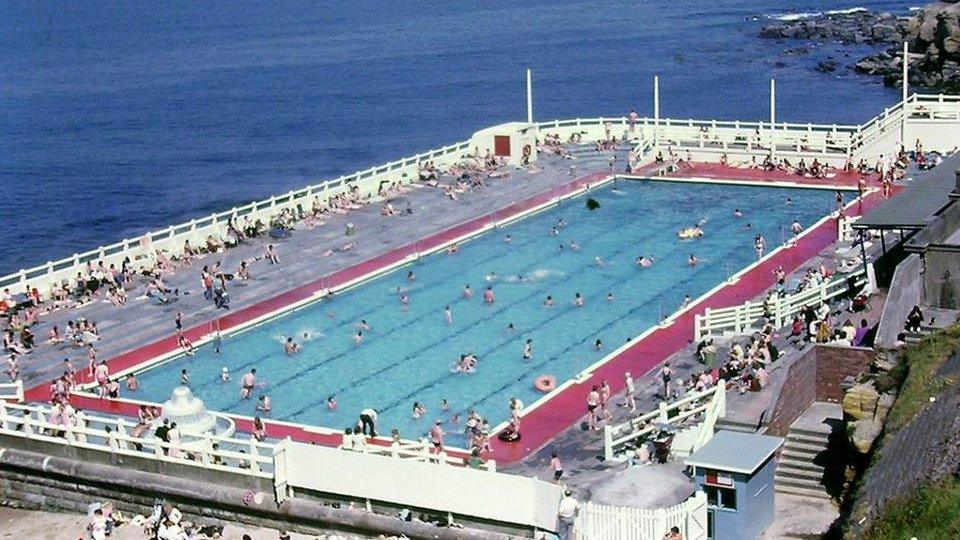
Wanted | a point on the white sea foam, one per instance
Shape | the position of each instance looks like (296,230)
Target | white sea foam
(788,17)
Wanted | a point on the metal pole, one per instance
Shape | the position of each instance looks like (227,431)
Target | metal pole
(656,111)
(529,97)
(905,84)
(773,117)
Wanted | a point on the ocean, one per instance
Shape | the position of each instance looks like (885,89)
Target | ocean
(119,118)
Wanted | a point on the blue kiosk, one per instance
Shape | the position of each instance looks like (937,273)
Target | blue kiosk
(735,470)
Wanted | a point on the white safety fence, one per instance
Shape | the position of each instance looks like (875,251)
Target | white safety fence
(12,391)
(692,417)
(456,492)
(602,522)
(116,436)
(779,310)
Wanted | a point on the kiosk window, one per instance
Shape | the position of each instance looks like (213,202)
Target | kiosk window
(721,497)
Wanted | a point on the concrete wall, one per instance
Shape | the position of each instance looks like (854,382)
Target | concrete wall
(799,390)
(941,135)
(903,294)
(43,475)
(941,278)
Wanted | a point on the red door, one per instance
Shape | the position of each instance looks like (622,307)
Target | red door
(501,145)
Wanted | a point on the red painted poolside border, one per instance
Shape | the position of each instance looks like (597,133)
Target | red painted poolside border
(542,424)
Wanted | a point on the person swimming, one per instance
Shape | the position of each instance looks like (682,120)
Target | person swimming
(418,409)
(507,239)
(404,298)
(488,295)
(224,374)
(548,302)
(411,276)
(528,350)
(599,261)
(447,315)
(645,262)
(554,231)
(510,328)
(574,246)
(467,292)
(737,212)
(692,260)
(291,347)
(363,325)
(598,345)
(610,297)
(444,406)
(491,277)
(578,300)
(331,404)
(358,337)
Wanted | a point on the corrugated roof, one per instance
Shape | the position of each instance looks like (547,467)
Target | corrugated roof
(918,203)
(735,451)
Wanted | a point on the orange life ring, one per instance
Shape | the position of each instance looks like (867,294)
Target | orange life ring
(545,383)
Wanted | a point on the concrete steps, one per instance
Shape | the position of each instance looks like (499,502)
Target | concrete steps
(805,461)
(734,425)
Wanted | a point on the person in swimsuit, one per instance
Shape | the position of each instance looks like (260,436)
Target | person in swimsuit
(488,295)
(248,383)
(665,375)
(467,293)
(548,302)
(331,404)
(593,401)
(628,398)
(577,300)
(447,315)
(291,347)
(528,350)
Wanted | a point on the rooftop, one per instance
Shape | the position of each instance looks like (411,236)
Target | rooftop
(919,203)
(735,451)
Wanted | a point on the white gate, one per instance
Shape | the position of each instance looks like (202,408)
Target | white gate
(602,522)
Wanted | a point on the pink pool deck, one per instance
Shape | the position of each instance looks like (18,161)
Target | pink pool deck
(563,408)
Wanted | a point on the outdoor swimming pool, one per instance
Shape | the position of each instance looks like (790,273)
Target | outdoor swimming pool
(409,353)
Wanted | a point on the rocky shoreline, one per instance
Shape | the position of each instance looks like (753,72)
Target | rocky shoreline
(933,35)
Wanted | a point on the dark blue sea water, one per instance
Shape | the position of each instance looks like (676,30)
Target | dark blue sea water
(117,118)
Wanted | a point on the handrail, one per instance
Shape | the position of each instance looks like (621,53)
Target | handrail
(33,422)
(418,451)
(12,390)
(710,403)
(738,319)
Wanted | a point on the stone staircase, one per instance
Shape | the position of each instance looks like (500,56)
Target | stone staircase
(810,463)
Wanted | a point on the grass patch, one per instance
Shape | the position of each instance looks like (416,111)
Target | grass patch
(932,511)
(921,382)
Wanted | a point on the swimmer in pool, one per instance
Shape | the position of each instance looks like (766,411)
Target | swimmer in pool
(561,223)
(331,404)
(444,406)
(358,338)
(291,347)
(610,297)
(248,383)
(411,276)
(491,277)
(686,302)
(447,315)
(528,350)
(510,328)
(598,345)
(561,248)
(184,377)
(789,201)
(507,239)
(693,260)
(404,299)
(488,295)
(264,404)
(224,374)
(737,212)
(363,325)
(554,231)
(467,292)
(577,300)
(418,409)
(644,262)
(574,246)
(548,302)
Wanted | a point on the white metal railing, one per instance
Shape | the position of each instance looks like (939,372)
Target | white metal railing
(417,451)
(709,404)
(603,522)
(12,391)
(113,435)
(779,309)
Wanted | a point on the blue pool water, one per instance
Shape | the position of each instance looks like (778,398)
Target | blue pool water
(409,354)
(121,117)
